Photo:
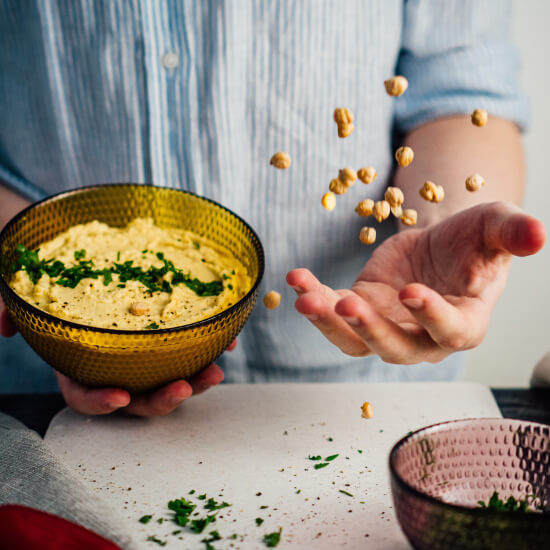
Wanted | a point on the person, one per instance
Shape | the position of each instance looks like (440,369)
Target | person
(199,95)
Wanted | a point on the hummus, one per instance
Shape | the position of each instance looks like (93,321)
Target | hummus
(131,278)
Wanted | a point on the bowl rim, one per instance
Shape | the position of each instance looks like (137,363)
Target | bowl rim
(396,477)
(52,318)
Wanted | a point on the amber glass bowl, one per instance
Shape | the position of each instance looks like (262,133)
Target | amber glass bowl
(440,473)
(136,360)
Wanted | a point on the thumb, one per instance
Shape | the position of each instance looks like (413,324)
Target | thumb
(509,229)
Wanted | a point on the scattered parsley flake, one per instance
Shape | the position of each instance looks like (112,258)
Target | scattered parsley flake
(118,256)
(330,439)
(176,532)
(192,492)
(298,491)
(79,254)
(160,520)
(152,326)
(213,505)
(345,492)
(316,457)
(182,509)
(197,245)
(359,451)
(263,507)
(321,465)
(331,458)
(202,497)
(259,521)
(272,539)
(145,519)
(152,538)
(198,525)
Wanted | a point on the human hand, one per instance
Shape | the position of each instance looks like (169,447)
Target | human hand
(7,328)
(424,293)
(160,402)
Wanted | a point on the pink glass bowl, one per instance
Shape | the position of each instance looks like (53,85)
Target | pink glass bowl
(439,473)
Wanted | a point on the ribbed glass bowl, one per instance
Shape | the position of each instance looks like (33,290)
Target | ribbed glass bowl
(439,473)
(136,360)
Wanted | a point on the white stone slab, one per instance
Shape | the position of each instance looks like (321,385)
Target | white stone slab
(240,440)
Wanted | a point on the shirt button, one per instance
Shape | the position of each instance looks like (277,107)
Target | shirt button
(170,60)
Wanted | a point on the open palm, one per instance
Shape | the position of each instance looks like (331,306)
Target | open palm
(425,292)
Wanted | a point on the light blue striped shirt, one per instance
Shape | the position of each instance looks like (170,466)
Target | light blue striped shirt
(199,94)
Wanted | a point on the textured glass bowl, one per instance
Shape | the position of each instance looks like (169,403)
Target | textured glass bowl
(439,473)
(136,360)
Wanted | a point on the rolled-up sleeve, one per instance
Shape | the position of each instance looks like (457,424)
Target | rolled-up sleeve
(458,56)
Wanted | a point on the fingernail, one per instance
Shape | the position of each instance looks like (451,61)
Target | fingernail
(117,403)
(176,399)
(298,288)
(413,303)
(354,321)
(312,317)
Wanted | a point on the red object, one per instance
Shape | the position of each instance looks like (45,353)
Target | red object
(24,528)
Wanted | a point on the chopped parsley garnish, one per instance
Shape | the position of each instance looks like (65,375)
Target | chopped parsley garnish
(264,507)
(331,458)
(197,245)
(145,519)
(118,256)
(198,525)
(316,457)
(321,465)
(259,521)
(298,491)
(510,505)
(272,539)
(152,326)
(345,492)
(213,505)
(152,278)
(360,451)
(160,520)
(192,492)
(152,538)
(330,439)
(182,509)
(214,535)
(202,497)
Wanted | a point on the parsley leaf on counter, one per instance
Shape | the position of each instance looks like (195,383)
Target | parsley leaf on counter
(321,465)
(317,457)
(213,505)
(272,539)
(259,521)
(331,458)
(152,538)
(198,525)
(182,509)
(145,519)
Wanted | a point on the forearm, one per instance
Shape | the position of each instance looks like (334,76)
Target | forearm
(10,204)
(447,151)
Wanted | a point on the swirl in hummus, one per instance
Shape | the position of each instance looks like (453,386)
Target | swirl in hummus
(137,277)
